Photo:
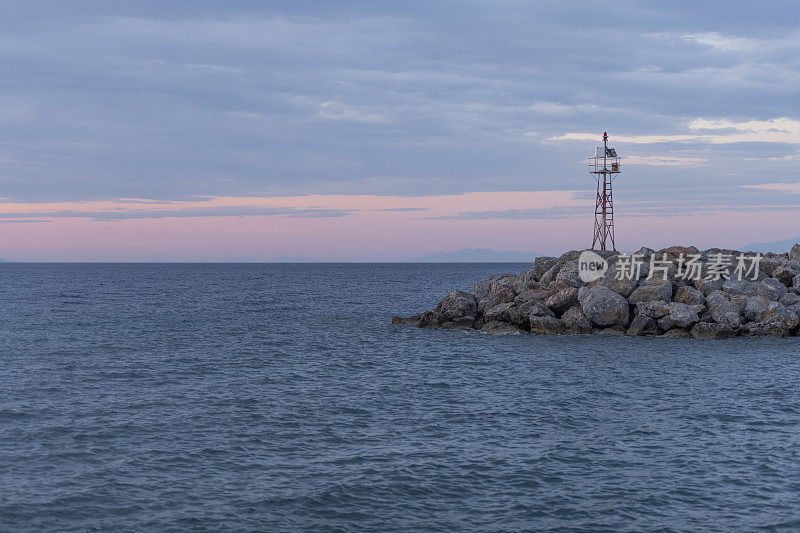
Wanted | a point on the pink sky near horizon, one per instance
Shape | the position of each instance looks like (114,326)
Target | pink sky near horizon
(368,233)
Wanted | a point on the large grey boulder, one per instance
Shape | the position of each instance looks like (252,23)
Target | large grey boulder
(546,325)
(785,274)
(531,296)
(655,309)
(772,327)
(707,286)
(750,288)
(616,280)
(790,298)
(651,291)
(759,309)
(775,287)
(794,253)
(562,300)
(711,330)
(689,295)
(643,325)
(569,274)
(503,290)
(680,316)
(542,265)
(457,304)
(575,321)
(550,276)
(482,287)
(722,311)
(498,313)
(518,313)
(603,307)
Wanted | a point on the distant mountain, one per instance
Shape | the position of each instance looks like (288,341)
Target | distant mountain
(775,246)
(477,255)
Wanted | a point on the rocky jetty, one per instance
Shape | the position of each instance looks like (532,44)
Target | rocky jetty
(560,295)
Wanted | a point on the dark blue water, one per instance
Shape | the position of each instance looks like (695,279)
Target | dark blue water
(280,397)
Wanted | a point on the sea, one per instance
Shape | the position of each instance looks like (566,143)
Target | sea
(279,397)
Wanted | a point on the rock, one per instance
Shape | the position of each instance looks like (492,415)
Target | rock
(747,288)
(785,275)
(463,322)
(457,304)
(707,286)
(546,325)
(775,287)
(500,328)
(430,319)
(790,298)
(759,309)
(680,315)
(722,311)
(651,291)
(575,321)
(773,327)
(550,276)
(623,286)
(526,282)
(643,325)
(738,301)
(603,307)
(673,253)
(412,320)
(562,300)
(482,288)
(503,290)
(569,256)
(794,253)
(690,296)
(710,330)
(569,274)
(518,314)
(498,313)
(656,309)
(644,251)
(531,296)
(613,331)
(539,309)
(676,333)
(542,265)
(768,265)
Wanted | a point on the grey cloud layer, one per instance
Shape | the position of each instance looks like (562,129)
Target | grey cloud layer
(166,100)
(213,211)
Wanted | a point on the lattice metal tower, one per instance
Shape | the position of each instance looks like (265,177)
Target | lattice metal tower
(604,167)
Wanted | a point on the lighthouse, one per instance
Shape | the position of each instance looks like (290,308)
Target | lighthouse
(604,167)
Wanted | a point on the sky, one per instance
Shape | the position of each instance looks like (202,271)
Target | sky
(364,130)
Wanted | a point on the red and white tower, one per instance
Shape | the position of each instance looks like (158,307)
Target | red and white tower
(604,166)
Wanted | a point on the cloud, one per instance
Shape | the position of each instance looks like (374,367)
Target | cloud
(169,101)
(664,161)
(792,188)
(214,211)
(775,130)
(340,111)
